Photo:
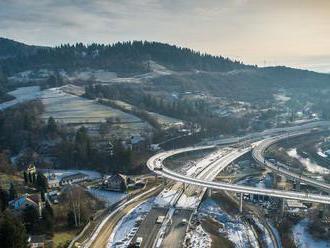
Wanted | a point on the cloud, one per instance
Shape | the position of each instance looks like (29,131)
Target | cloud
(250,30)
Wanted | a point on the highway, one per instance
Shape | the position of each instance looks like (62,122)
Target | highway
(156,161)
(205,177)
(149,228)
(258,155)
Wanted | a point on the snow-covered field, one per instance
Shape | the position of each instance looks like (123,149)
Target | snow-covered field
(109,197)
(61,173)
(69,108)
(22,94)
(303,239)
(234,229)
(307,163)
(128,226)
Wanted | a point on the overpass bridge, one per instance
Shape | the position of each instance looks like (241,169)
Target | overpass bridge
(155,163)
(258,155)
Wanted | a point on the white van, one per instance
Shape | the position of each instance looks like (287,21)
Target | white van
(138,241)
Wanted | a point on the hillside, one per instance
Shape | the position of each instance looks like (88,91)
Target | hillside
(136,69)
(125,58)
(10,48)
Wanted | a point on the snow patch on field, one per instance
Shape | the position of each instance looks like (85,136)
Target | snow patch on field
(267,240)
(108,197)
(303,239)
(199,238)
(236,231)
(307,163)
(167,197)
(186,201)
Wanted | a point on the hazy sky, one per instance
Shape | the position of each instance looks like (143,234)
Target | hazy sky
(290,32)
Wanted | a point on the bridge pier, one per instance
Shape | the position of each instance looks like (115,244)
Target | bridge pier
(298,185)
(241,203)
(164,181)
(283,207)
(184,186)
(209,192)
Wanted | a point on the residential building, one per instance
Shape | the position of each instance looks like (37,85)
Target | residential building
(53,181)
(116,182)
(37,241)
(74,178)
(26,200)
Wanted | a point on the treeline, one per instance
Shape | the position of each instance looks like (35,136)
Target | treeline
(3,88)
(122,57)
(77,151)
(21,127)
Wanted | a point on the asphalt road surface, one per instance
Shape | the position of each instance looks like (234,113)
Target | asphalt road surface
(175,235)
(149,228)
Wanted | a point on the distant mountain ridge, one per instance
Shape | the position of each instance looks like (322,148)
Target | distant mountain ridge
(192,71)
(122,57)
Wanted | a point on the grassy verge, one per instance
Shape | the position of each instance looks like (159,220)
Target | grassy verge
(61,238)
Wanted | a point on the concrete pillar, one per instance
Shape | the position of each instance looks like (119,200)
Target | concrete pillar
(184,186)
(241,203)
(283,206)
(209,192)
(298,185)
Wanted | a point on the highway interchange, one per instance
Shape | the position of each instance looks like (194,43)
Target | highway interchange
(203,179)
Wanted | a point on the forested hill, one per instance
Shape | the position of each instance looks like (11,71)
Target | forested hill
(123,58)
(10,48)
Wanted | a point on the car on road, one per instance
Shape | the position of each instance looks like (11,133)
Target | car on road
(160,219)
(138,242)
